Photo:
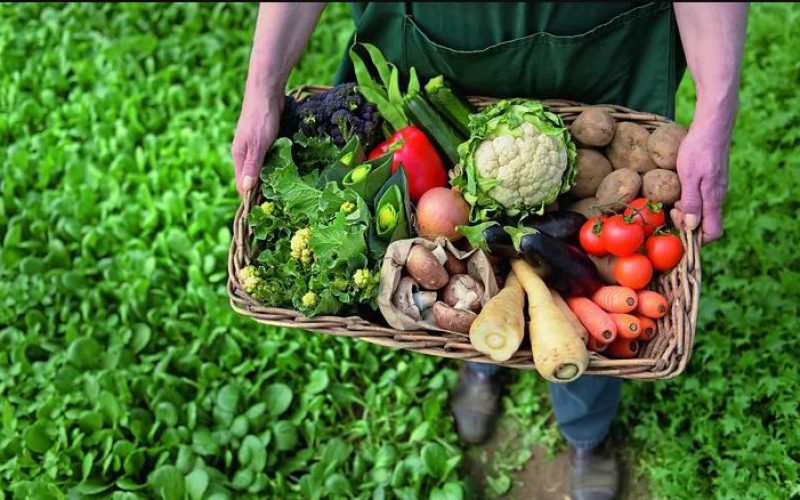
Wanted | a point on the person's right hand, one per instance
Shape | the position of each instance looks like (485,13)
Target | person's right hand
(257,128)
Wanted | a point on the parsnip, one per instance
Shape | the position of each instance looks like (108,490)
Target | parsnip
(581,330)
(559,354)
(499,329)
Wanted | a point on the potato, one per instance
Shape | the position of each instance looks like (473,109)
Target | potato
(593,127)
(661,185)
(628,149)
(619,186)
(584,207)
(663,144)
(592,167)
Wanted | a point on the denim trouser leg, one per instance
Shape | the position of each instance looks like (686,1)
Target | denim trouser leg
(585,408)
(485,369)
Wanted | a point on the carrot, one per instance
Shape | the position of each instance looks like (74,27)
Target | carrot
(652,304)
(616,299)
(623,348)
(597,321)
(596,346)
(559,354)
(500,327)
(649,328)
(581,330)
(628,326)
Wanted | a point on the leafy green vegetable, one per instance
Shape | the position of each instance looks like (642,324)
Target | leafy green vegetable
(386,93)
(317,244)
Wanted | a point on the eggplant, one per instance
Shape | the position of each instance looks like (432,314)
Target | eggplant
(563,266)
(490,237)
(561,224)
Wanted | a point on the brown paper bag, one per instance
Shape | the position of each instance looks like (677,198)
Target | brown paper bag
(392,269)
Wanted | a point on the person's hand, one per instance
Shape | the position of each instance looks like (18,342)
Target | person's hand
(257,128)
(703,170)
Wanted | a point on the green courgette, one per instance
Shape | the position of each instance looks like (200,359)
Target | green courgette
(446,102)
(422,114)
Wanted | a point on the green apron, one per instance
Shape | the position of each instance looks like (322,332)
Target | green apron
(617,53)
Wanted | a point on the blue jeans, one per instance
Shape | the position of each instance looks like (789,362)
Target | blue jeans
(584,408)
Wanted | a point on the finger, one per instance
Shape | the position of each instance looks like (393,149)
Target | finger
(251,169)
(691,203)
(239,154)
(713,195)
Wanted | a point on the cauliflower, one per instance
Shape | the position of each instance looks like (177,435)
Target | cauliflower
(268,207)
(347,207)
(518,158)
(299,246)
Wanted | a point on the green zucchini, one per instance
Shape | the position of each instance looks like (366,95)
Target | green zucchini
(446,102)
(422,114)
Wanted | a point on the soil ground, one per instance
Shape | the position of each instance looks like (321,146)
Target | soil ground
(542,477)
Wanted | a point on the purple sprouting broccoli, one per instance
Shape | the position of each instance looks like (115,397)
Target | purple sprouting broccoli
(340,113)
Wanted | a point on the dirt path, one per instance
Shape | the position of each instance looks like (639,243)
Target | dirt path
(541,478)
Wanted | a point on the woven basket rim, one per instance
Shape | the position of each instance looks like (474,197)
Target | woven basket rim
(664,357)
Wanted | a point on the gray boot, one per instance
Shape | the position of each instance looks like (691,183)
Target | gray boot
(595,473)
(475,403)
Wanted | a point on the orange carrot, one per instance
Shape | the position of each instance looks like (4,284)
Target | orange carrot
(616,299)
(649,328)
(623,348)
(652,304)
(596,320)
(596,346)
(628,326)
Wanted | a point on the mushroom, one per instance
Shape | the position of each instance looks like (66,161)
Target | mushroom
(463,292)
(454,265)
(426,269)
(403,298)
(450,318)
(410,300)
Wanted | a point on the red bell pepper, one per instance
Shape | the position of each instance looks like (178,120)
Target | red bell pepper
(422,163)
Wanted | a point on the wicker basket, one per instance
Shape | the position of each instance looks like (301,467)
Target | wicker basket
(663,357)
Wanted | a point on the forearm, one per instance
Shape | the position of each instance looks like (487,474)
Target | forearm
(713,36)
(282,32)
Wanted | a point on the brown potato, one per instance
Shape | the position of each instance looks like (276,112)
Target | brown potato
(619,186)
(584,207)
(663,144)
(593,127)
(628,149)
(591,168)
(661,185)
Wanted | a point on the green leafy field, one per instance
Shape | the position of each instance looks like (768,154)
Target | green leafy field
(124,372)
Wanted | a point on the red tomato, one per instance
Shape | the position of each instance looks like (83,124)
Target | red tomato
(621,238)
(664,251)
(634,271)
(589,237)
(650,215)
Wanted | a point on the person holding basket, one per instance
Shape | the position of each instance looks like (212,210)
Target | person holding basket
(625,53)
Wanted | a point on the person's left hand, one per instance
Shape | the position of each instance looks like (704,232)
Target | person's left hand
(703,171)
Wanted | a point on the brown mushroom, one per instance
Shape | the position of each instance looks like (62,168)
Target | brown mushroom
(425,268)
(454,265)
(403,298)
(450,318)
(463,292)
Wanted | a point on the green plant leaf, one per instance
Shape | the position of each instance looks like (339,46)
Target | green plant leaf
(167,483)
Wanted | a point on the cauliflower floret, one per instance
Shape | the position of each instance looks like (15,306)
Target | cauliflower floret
(248,277)
(527,164)
(299,246)
(362,278)
(309,299)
